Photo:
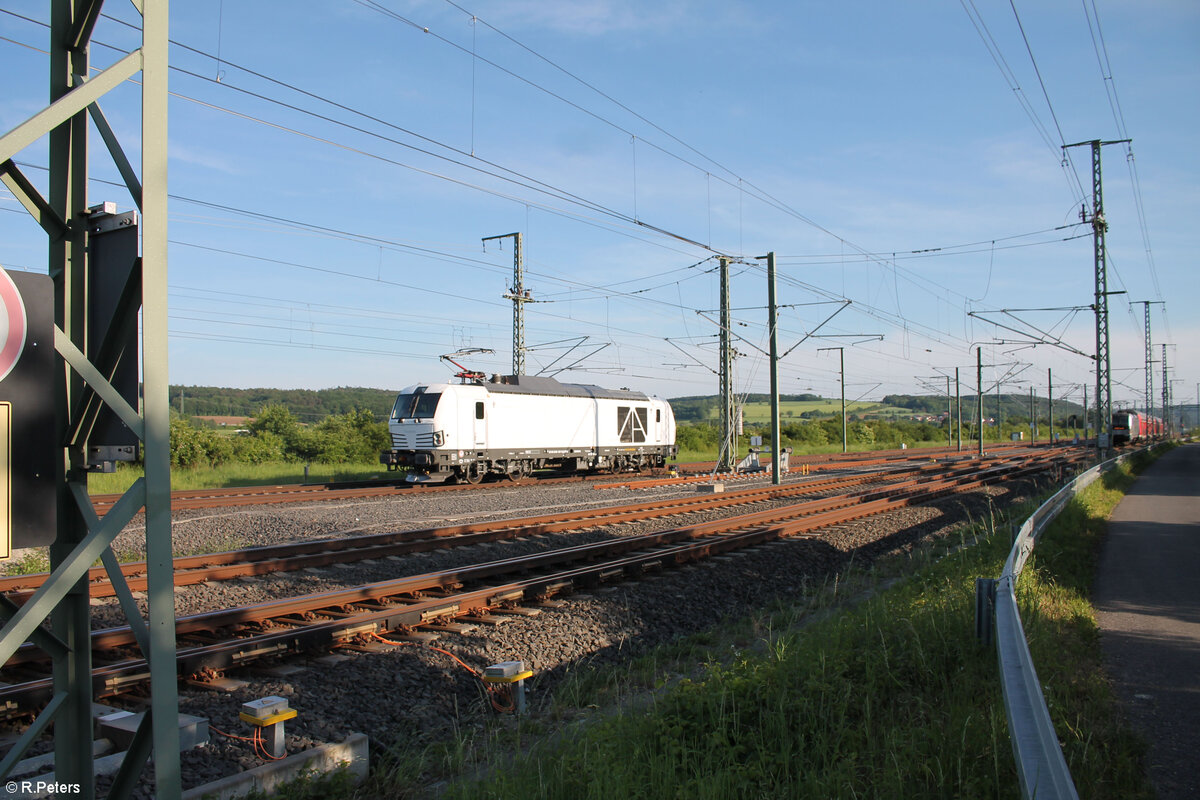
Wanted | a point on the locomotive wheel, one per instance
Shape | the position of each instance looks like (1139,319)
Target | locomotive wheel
(473,473)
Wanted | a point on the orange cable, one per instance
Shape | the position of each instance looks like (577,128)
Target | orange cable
(230,735)
(260,747)
(493,691)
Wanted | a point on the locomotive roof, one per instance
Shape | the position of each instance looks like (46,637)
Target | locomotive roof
(530,384)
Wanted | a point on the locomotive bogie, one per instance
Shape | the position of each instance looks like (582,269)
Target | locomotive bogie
(513,426)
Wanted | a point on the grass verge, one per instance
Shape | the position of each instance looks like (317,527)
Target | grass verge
(889,696)
(236,475)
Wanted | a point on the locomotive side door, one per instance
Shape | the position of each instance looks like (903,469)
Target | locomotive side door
(479,422)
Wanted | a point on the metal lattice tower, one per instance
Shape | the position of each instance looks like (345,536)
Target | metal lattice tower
(1149,357)
(1149,369)
(772,328)
(83,369)
(1050,400)
(1166,391)
(1103,355)
(519,296)
(728,453)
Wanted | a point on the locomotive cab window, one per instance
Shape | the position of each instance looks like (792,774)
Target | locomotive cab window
(631,424)
(479,410)
(418,405)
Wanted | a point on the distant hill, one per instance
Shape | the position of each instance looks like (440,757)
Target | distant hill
(308,405)
(808,406)
(707,407)
(314,405)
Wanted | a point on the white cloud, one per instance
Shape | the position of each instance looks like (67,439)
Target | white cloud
(203,158)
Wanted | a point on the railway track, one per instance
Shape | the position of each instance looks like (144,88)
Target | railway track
(234,496)
(323,552)
(212,642)
(191,570)
(186,499)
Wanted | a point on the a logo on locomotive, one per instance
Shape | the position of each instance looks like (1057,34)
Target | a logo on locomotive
(14,324)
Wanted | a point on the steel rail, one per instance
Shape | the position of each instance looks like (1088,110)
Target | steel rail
(191,570)
(301,492)
(293,493)
(321,552)
(377,606)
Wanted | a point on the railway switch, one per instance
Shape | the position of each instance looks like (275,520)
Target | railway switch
(268,715)
(512,673)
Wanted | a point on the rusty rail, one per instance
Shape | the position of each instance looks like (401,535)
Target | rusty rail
(191,570)
(335,618)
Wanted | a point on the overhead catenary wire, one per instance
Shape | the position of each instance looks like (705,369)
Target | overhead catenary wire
(887,263)
(359,150)
(741,183)
(993,48)
(867,308)
(514,177)
(425,252)
(1110,89)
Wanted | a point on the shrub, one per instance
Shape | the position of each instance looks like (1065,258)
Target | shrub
(804,434)
(194,447)
(264,448)
(861,432)
(275,419)
(692,438)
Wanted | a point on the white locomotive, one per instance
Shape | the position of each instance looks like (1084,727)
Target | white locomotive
(514,424)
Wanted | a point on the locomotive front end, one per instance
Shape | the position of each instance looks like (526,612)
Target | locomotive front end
(418,431)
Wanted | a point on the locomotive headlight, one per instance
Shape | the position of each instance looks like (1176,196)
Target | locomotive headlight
(439,438)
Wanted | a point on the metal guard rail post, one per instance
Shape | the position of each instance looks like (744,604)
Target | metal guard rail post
(1041,767)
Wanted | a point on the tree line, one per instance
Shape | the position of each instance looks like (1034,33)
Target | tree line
(328,426)
(702,437)
(861,432)
(276,434)
(308,405)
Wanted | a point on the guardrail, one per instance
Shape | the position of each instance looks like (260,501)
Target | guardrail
(1041,767)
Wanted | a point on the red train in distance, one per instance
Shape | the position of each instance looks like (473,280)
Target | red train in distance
(1134,426)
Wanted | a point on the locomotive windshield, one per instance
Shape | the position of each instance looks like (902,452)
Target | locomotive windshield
(416,405)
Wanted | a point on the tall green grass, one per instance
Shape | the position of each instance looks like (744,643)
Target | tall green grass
(892,698)
(1105,757)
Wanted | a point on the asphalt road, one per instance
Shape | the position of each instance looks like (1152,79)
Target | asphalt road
(1147,596)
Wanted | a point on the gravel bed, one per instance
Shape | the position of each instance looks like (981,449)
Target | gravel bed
(411,693)
(208,532)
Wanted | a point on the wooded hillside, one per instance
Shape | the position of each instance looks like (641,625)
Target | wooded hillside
(307,405)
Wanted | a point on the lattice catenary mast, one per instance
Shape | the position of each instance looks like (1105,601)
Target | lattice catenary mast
(1103,356)
(519,296)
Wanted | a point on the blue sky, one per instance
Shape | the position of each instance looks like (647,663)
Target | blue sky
(334,171)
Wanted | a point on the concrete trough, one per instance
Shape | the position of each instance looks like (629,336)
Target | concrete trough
(350,754)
